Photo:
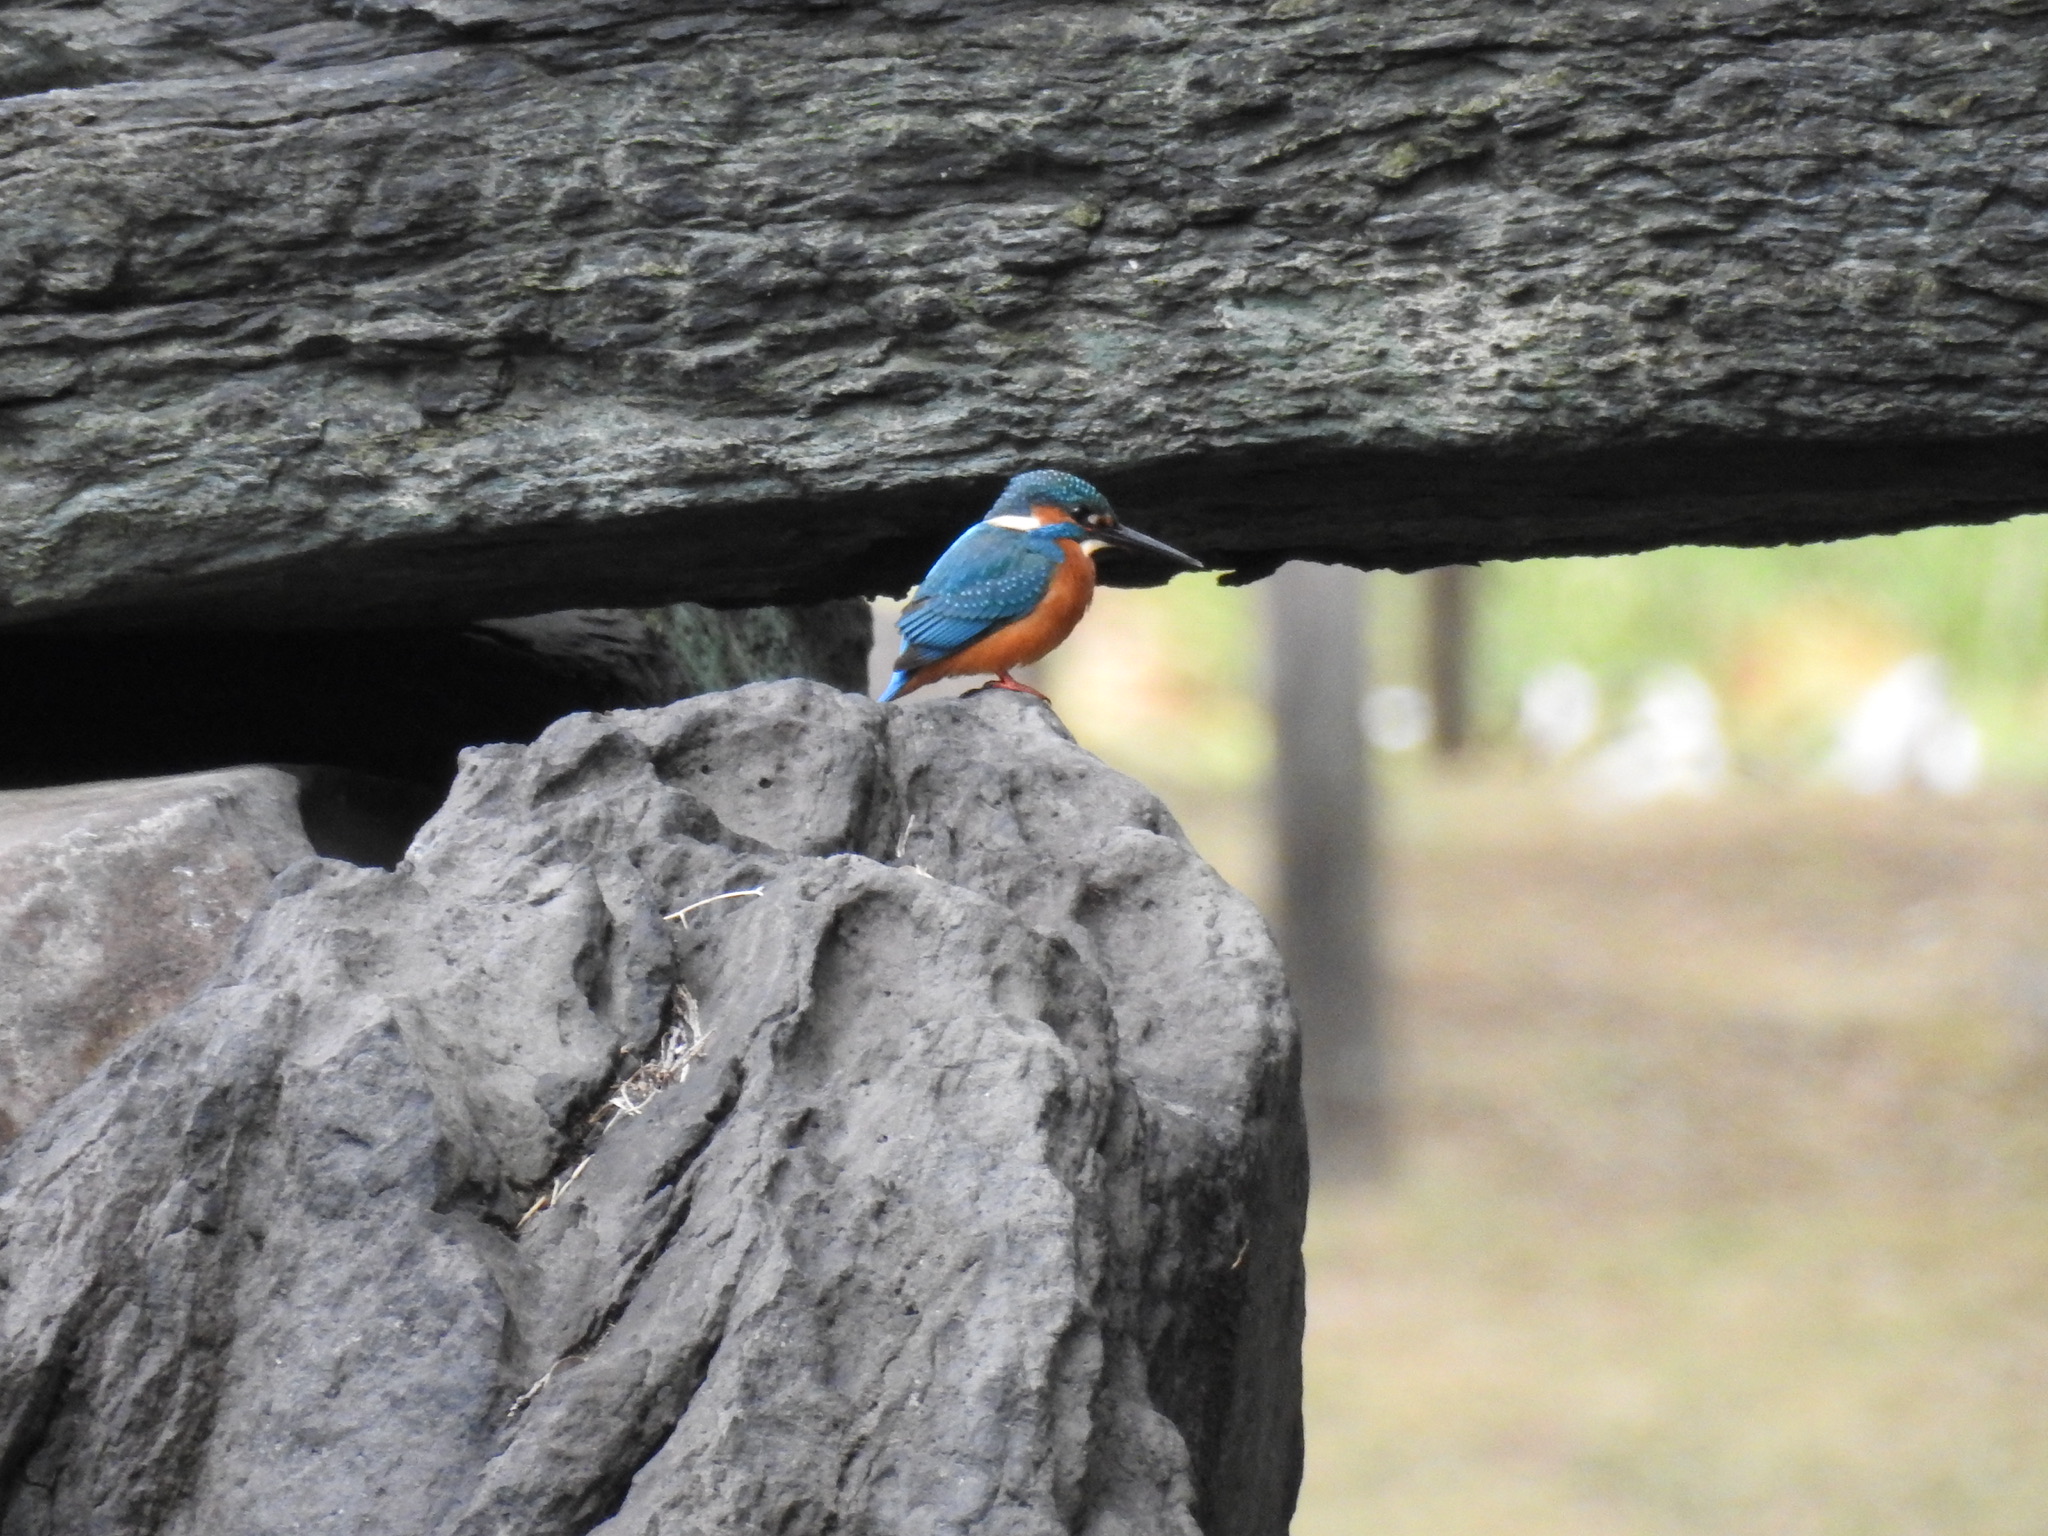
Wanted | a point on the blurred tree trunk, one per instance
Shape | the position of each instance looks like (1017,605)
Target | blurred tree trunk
(1315,623)
(1450,654)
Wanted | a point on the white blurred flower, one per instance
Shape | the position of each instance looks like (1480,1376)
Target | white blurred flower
(1671,746)
(1397,718)
(1906,730)
(1560,710)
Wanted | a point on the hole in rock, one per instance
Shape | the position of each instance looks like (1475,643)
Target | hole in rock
(371,721)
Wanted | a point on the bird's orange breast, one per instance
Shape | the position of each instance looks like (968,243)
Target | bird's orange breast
(1035,635)
(1066,599)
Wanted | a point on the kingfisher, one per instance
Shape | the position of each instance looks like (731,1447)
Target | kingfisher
(1014,585)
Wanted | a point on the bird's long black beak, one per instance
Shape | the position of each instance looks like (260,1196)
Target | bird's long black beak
(1130,538)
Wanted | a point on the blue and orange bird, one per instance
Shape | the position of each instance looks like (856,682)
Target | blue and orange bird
(1014,585)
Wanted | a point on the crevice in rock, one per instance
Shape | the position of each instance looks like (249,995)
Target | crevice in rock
(681,1044)
(35,1413)
(611,1497)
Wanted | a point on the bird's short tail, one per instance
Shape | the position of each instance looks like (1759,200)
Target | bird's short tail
(898,683)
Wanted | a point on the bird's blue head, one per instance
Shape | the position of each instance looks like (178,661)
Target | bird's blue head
(1050,504)
(1050,488)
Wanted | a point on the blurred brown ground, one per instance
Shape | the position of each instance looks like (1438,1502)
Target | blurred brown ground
(1722,1196)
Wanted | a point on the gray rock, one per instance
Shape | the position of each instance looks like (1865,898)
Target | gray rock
(941,1171)
(116,902)
(659,655)
(337,315)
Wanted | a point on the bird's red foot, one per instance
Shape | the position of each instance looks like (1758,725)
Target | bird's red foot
(1004,680)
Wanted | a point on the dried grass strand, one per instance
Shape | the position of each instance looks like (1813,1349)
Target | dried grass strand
(682,914)
(681,1044)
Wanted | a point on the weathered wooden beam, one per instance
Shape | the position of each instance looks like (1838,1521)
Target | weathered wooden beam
(455,309)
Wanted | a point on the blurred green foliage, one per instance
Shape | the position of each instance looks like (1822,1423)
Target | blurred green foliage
(1785,634)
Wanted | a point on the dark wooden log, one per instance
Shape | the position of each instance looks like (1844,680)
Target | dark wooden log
(429,312)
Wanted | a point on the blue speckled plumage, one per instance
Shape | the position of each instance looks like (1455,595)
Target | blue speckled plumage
(1047,488)
(990,576)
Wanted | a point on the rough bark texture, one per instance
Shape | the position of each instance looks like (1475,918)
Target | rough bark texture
(977,1207)
(325,313)
(116,902)
(397,703)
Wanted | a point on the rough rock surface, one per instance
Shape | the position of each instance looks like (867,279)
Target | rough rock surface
(660,655)
(397,703)
(116,902)
(976,1207)
(325,312)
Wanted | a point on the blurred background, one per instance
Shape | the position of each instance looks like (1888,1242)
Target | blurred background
(1695,1174)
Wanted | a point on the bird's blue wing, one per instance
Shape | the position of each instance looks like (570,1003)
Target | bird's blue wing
(990,576)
